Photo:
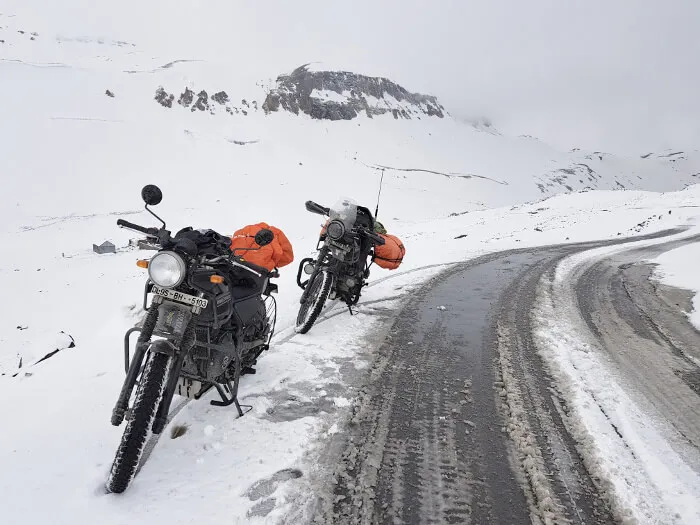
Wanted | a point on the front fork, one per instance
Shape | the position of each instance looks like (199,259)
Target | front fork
(134,365)
(186,344)
(323,252)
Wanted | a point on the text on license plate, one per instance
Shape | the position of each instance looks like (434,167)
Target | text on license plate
(340,246)
(180,297)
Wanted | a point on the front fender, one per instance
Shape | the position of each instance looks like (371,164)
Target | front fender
(163,346)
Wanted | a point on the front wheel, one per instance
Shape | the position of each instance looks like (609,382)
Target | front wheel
(319,289)
(130,449)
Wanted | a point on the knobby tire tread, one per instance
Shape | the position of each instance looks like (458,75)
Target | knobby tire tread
(325,291)
(148,395)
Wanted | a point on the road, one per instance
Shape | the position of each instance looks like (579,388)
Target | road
(459,421)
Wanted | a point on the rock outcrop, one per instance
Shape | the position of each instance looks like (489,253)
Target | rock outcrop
(328,95)
(341,95)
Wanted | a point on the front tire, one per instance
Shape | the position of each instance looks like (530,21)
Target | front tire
(148,395)
(319,290)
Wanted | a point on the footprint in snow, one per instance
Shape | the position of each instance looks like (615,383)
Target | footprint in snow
(265,487)
(262,508)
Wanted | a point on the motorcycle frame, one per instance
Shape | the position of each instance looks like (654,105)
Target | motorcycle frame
(326,261)
(178,346)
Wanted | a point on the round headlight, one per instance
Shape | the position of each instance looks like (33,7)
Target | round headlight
(167,269)
(335,229)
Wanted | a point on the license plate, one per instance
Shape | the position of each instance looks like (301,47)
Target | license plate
(180,297)
(343,247)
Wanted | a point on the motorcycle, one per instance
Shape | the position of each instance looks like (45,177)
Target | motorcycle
(211,316)
(340,270)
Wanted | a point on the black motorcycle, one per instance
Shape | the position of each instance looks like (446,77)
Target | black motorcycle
(210,318)
(341,269)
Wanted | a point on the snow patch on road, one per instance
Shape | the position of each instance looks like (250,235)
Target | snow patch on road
(541,497)
(649,482)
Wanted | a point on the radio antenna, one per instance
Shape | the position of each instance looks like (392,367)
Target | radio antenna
(381,181)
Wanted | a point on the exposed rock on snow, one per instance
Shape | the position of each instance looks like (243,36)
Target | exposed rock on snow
(186,98)
(329,95)
(221,97)
(341,95)
(164,98)
(202,103)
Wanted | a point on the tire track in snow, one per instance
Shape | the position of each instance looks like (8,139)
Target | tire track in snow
(459,421)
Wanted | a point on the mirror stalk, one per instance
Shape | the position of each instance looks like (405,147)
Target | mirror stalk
(156,216)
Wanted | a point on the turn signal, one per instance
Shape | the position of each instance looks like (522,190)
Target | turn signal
(142,263)
(216,279)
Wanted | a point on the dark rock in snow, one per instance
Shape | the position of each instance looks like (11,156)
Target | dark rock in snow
(202,103)
(294,94)
(221,97)
(186,98)
(164,98)
(109,93)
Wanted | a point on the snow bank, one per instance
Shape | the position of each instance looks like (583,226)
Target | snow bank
(679,268)
(647,480)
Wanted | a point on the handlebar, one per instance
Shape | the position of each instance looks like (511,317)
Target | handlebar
(316,208)
(153,232)
(377,239)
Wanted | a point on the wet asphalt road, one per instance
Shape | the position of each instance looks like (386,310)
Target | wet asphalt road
(459,421)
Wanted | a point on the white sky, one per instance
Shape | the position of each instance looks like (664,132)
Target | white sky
(622,75)
(601,74)
(611,75)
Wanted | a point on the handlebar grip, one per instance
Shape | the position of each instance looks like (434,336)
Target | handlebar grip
(316,208)
(126,224)
(378,239)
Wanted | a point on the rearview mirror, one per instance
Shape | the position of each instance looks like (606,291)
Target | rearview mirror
(151,194)
(264,237)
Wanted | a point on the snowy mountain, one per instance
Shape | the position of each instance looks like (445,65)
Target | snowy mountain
(98,101)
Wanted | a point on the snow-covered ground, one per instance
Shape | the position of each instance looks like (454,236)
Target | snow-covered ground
(72,161)
(61,443)
(679,268)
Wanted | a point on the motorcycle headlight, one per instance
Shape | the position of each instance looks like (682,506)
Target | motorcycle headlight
(167,269)
(335,229)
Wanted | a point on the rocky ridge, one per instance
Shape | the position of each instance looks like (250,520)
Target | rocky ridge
(323,95)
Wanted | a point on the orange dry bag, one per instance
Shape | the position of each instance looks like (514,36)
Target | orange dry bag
(274,255)
(390,255)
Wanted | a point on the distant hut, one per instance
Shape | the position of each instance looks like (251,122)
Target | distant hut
(105,247)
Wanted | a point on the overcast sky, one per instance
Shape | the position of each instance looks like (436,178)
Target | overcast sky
(620,75)
(616,75)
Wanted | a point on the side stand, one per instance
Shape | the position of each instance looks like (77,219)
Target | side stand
(229,392)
